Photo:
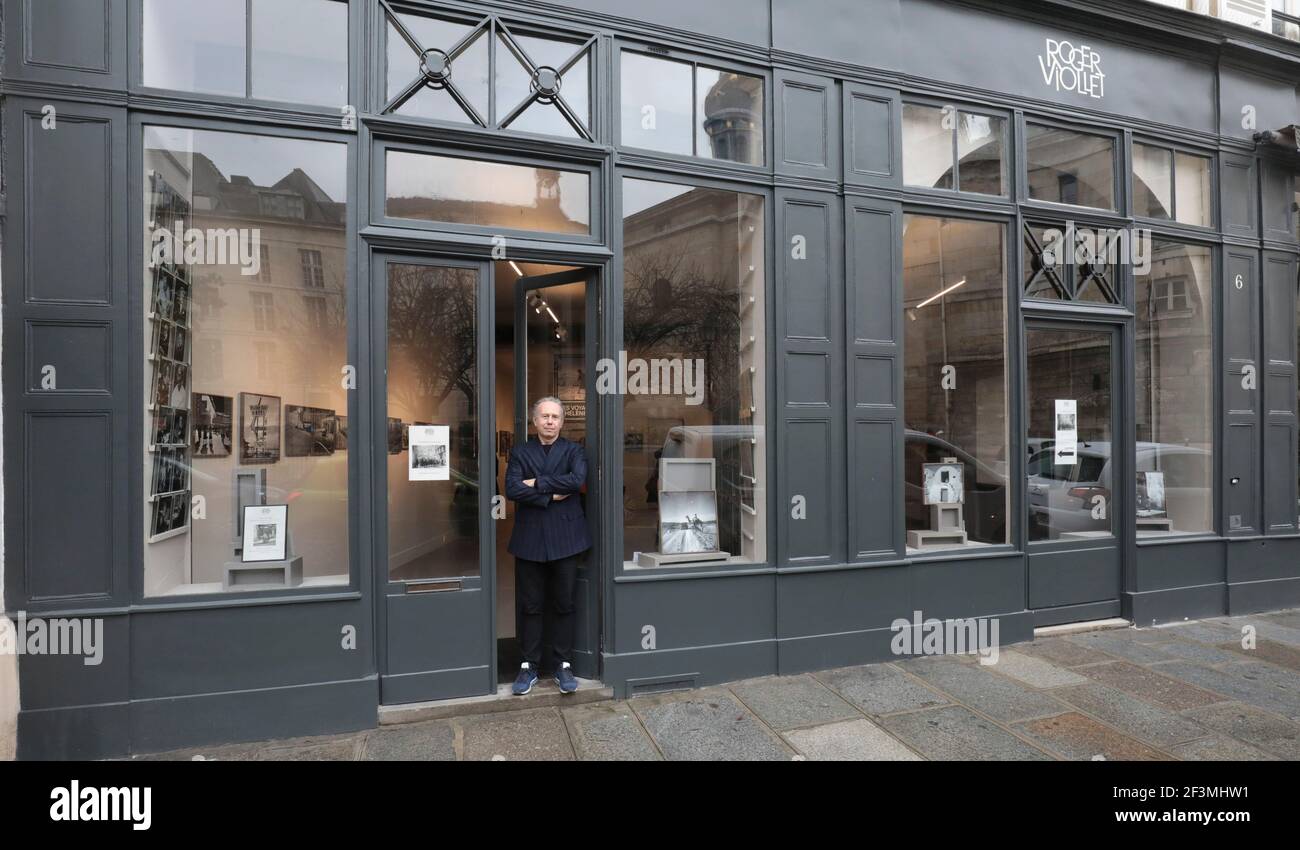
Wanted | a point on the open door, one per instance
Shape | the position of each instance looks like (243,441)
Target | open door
(555,316)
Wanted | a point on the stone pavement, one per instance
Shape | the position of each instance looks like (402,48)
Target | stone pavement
(1186,691)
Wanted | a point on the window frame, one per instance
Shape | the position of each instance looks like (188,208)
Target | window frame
(619,570)
(1009,150)
(1207,241)
(382,145)
(355,341)
(1173,148)
(695,60)
(1055,208)
(235,103)
(589,41)
(1012,345)
(1121,277)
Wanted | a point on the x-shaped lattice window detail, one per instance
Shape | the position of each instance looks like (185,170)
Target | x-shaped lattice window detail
(435,65)
(1092,281)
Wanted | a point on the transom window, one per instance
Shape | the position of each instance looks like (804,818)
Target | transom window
(483,72)
(1171,185)
(691,109)
(1071,263)
(282,50)
(1068,167)
(949,148)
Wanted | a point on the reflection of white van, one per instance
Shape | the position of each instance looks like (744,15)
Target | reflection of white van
(706,440)
(1062,497)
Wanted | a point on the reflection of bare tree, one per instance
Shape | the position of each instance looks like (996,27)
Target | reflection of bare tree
(674,307)
(432,322)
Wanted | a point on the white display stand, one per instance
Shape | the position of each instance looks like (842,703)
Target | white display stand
(1147,523)
(265,574)
(947,528)
(654,559)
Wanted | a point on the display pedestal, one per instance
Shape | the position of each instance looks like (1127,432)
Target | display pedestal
(947,528)
(286,573)
(1147,523)
(654,559)
(264,574)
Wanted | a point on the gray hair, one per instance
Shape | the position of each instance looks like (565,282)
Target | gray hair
(532,412)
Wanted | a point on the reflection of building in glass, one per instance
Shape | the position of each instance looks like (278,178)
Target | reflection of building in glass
(692,290)
(733,117)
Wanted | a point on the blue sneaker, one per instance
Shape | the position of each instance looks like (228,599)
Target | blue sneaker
(565,679)
(524,681)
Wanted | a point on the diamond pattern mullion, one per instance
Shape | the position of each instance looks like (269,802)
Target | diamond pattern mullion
(462,45)
(518,110)
(463,103)
(569,115)
(407,35)
(409,92)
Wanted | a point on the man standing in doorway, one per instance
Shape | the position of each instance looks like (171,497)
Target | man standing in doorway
(543,478)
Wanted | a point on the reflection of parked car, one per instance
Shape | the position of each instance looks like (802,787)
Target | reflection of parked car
(1064,498)
(985,503)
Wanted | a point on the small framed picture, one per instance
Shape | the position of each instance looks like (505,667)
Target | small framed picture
(180,347)
(266,530)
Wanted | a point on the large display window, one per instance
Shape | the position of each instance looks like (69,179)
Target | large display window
(693,376)
(245,346)
(1174,370)
(954,383)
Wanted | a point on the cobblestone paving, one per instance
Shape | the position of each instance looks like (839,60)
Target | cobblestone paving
(1189,691)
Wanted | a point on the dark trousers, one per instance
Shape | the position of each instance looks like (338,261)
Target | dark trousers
(544,584)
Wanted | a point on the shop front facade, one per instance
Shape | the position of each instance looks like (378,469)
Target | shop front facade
(863,312)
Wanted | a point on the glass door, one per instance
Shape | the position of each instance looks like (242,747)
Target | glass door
(436,555)
(1076,472)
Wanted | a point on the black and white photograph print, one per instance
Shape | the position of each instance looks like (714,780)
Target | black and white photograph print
(162,294)
(430,453)
(161,429)
(180,385)
(181,304)
(308,431)
(212,419)
(943,484)
(180,347)
(259,428)
(394,436)
(688,522)
(1151,495)
(1066,421)
(162,383)
(165,330)
(265,533)
(180,427)
(340,433)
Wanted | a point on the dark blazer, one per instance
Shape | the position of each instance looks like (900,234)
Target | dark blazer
(546,529)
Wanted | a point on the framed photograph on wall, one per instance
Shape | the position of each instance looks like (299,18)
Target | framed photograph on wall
(259,428)
(266,532)
(394,436)
(340,433)
(308,431)
(212,420)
